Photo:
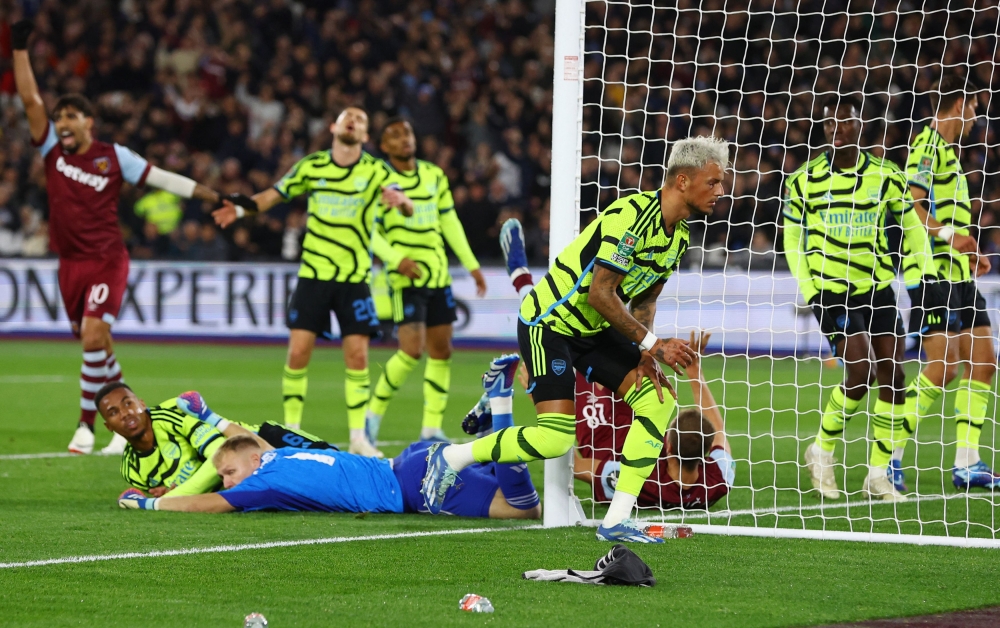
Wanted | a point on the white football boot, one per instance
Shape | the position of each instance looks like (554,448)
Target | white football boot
(362,447)
(83,441)
(116,447)
(820,465)
(879,486)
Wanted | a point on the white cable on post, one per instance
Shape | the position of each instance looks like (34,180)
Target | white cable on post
(561,508)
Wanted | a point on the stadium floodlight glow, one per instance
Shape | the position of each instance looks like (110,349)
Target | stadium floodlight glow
(631,78)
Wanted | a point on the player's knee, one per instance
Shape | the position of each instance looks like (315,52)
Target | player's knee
(442,352)
(411,346)
(983,371)
(298,357)
(554,443)
(93,338)
(895,377)
(414,352)
(535,512)
(356,354)
(860,377)
(949,374)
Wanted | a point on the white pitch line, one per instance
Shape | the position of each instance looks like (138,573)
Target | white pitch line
(812,507)
(66,454)
(728,514)
(33,379)
(54,454)
(217,549)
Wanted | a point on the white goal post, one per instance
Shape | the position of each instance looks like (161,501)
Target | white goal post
(770,368)
(561,507)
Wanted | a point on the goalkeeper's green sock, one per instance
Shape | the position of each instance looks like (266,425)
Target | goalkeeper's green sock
(972,401)
(887,421)
(921,394)
(293,388)
(644,440)
(552,437)
(839,409)
(397,369)
(437,381)
(356,391)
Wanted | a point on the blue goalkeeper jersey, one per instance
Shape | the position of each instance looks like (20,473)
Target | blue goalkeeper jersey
(326,481)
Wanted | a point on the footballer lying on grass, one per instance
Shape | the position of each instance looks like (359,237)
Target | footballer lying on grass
(170,446)
(695,468)
(256,476)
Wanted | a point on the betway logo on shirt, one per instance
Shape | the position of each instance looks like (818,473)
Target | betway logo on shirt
(77,174)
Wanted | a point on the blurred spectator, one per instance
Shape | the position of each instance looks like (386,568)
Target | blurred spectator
(187,240)
(209,247)
(536,239)
(478,215)
(291,240)
(232,93)
(150,243)
(35,232)
(160,208)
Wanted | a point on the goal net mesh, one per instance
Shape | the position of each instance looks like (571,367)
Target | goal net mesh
(755,74)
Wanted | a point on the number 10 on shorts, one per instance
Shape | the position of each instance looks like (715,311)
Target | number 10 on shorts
(98,294)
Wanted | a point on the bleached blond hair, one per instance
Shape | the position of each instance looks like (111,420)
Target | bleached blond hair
(694,153)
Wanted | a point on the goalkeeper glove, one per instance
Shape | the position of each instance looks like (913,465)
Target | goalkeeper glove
(19,34)
(193,404)
(134,499)
(244,204)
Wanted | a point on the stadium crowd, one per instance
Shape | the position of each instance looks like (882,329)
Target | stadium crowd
(233,92)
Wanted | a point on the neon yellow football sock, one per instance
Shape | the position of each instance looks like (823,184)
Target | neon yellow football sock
(397,369)
(972,401)
(552,437)
(356,391)
(437,381)
(887,422)
(839,409)
(921,394)
(644,440)
(293,388)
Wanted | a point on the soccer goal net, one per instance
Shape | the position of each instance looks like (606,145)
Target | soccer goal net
(633,77)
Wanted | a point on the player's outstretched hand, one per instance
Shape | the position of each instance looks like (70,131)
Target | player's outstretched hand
(393,196)
(980,263)
(225,215)
(480,280)
(19,34)
(234,207)
(964,243)
(675,353)
(650,369)
(408,268)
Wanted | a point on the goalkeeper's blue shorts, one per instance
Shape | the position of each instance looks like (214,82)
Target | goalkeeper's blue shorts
(471,495)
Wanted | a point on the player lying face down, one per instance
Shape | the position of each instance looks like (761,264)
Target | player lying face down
(256,476)
(170,445)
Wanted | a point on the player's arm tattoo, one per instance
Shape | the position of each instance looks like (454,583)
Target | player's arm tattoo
(603,297)
(643,306)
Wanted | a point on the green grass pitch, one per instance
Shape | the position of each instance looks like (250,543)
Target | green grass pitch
(61,507)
